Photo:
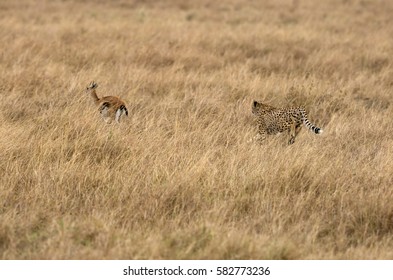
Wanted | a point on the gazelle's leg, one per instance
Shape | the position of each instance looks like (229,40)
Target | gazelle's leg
(104,108)
(118,115)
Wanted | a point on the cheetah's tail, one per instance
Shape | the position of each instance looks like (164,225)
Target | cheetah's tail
(309,125)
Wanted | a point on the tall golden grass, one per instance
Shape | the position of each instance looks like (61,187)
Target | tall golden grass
(178,179)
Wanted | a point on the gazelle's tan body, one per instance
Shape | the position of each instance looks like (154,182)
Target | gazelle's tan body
(110,107)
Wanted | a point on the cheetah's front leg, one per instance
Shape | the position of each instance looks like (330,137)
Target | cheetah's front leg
(257,138)
(260,137)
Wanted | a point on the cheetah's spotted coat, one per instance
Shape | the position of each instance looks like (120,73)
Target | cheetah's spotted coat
(273,120)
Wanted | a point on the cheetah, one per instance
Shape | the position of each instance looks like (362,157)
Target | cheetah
(109,106)
(272,120)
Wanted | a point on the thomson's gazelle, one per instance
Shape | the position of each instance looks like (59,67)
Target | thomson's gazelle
(110,107)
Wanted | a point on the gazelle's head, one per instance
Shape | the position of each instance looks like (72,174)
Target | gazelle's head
(91,86)
(91,90)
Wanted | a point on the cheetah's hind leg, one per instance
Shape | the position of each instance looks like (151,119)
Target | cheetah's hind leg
(293,132)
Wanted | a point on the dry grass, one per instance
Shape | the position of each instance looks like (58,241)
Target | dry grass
(177,179)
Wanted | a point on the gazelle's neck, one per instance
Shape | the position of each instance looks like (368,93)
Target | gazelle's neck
(94,96)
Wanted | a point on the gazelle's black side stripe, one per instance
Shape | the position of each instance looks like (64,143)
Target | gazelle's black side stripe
(122,107)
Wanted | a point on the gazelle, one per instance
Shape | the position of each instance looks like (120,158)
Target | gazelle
(109,106)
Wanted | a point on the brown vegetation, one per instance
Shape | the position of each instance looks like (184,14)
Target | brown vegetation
(177,178)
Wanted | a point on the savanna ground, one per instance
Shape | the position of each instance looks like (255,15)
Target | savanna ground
(178,179)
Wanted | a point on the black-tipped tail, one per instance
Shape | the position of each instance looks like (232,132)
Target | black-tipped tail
(309,125)
(312,127)
(318,130)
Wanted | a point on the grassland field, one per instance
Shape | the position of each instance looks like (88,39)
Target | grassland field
(178,178)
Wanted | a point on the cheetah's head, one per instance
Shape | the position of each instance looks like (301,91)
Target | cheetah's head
(255,107)
(259,108)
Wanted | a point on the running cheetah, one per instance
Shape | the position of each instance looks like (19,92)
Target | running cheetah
(273,120)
